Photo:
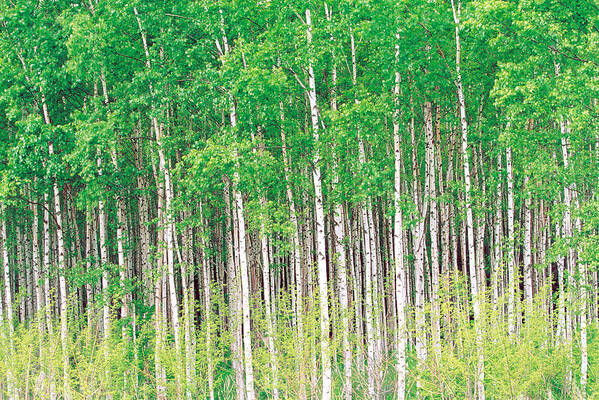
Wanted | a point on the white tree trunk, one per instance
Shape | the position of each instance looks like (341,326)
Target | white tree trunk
(476,301)
(434,232)
(527,247)
(89,234)
(419,246)
(122,263)
(296,262)
(245,294)
(8,299)
(267,304)
(338,245)
(398,248)
(47,298)
(320,236)
(207,312)
(497,272)
(35,261)
(511,312)
(235,298)
(61,263)
(267,286)
(168,220)
(103,259)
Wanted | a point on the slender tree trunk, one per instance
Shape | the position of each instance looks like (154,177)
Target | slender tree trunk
(433,226)
(476,301)
(20,272)
(104,259)
(47,300)
(267,304)
(160,309)
(419,245)
(144,231)
(245,294)
(338,245)
(235,298)
(122,263)
(398,247)
(61,264)
(296,261)
(320,236)
(89,262)
(189,309)
(511,243)
(497,271)
(206,284)
(527,247)
(168,219)
(35,261)
(267,285)
(11,388)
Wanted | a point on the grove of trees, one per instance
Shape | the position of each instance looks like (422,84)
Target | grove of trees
(276,199)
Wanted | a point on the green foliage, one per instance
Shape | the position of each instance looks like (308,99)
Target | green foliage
(530,364)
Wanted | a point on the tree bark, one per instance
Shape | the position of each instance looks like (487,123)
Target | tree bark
(476,301)
(320,236)
(398,246)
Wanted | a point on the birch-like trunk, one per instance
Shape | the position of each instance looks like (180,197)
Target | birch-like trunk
(419,244)
(476,300)
(234,289)
(61,264)
(398,247)
(103,259)
(168,221)
(527,276)
(245,292)
(120,239)
(35,261)
(434,232)
(207,288)
(296,261)
(267,286)
(10,380)
(89,245)
(497,272)
(46,262)
(144,229)
(338,247)
(511,286)
(320,236)
(189,309)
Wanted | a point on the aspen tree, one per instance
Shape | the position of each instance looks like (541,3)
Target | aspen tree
(320,236)
(89,233)
(267,284)
(339,238)
(476,301)
(186,274)
(419,243)
(61,263)
(398,245)
(8,299)
(527,276)
(296,258)
(36,267)
(497,271)
(234,288)
(433,227)
(207,288)
(168,222)
(245,293)
(511,285)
